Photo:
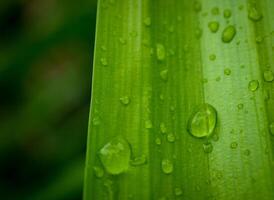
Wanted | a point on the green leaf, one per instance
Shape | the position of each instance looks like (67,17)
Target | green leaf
(175,73)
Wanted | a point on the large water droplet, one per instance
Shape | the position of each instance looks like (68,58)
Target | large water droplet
(98,171)
(271,128)
(213,26)
(228,34)
(164,75)
(202,123)
(254,14)
(115,155)
(167,166)
(268,76)
(137,161)
(160,52)
(253,85)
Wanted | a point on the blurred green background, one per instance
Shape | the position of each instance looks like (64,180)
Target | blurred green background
(46,49)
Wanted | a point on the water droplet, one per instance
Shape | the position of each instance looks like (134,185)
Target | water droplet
(158,141)
(160,52)
(227,71)
(253,85)
(227,13)
(147,21)
(167,166)
(240,106)
(271,128)
(213,26)
(198,32)
(202,123)
(104,61)
(215,11)
(178,191)
(96,121)
(208,147)
(233,145)
(115,155)
(268,76)
(137,161)
(212,57)
(148,124)
(228,34)
(103,47)
(259,39)
(218,78)
(125,100)
(197,6)
(254,14)
(98,171)
(164,75)
(122,41)
(170,137)
(163,128)
(247,152)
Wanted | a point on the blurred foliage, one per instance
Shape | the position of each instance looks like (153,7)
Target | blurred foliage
(46,49)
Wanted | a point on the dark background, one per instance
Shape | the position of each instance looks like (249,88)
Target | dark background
(46,49)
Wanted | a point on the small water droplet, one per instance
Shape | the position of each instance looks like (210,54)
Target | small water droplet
(104,61)
(259,39)
(268,76)
(215,11)
(247,152)
(253,85)
(98,171)
(254,14)
(137,161)
(197,6)
(115,156)
(163,128)
(271,128)
(162,97)
(240,106)
(213,26)
(233,145)
(218,78)
(96,121)
(125,100)
(208,147)
(227,13)
(212,57)
(104,48)
(198,32)
(170,137)
(147,21)
(167,166)
(202,123)
(158,141)
(160,52)
(164,75)
(228,34)
(122,41)
(148,124)
(178,191)
(227,71)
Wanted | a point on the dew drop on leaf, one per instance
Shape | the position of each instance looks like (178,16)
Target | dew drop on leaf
(160,52)
(170,137)
(158,141)
(125,100)
(164,75)
(115,155)
(233,145)
(140,160)
(228,34)
(227,71)
(167,166)
(213,26)
(98,171)
(271,128)
(253,85)
(163,128)
(104,61)
(203,122)
(148,124)
(215,11)
(178,191)
(268,76)
(212,57)
(254,14)
(208,147)
(227,13)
